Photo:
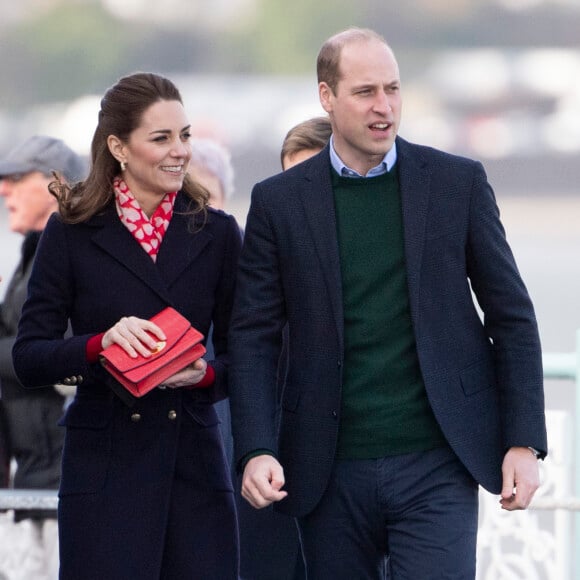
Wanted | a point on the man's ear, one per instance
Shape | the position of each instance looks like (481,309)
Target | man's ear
(325,95)
(116,147)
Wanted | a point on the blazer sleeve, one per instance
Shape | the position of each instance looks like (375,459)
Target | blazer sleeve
(255,332)
(509,320)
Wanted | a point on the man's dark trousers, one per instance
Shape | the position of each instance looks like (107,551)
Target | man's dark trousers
(405,517)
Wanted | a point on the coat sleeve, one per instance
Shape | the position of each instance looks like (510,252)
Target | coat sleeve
(223,310)
(41,355)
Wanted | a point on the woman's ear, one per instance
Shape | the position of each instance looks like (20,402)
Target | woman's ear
(116,147)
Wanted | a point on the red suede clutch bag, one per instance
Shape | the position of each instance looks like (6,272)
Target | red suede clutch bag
(140,375)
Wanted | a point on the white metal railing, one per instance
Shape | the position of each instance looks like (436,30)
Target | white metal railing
(28,499)
(571,504)
(542,543)
(567,366)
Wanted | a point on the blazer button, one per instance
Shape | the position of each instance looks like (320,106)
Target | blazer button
(79,379)
(67,381)
(172,415)
(136,417)
(334,414)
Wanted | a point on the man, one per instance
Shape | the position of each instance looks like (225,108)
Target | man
(399,400)
(33,438)
(305,140)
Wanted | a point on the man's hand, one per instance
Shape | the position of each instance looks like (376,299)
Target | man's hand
(521,478)
(262,481)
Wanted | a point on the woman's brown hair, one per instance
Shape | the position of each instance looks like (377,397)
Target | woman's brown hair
(122,109)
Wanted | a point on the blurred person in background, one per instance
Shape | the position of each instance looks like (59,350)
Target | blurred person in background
(145,490)
(30,418)
(305,140)
(4,456)
(399,400)
(211,166)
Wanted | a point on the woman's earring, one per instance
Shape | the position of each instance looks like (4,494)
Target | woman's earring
(123,165)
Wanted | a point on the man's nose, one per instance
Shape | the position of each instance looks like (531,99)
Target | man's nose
(382,102)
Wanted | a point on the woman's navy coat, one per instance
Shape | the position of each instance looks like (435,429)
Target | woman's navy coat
(120,461)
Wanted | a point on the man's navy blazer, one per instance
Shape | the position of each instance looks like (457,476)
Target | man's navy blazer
(482,374)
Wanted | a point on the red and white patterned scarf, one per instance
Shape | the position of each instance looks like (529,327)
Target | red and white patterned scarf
(148,232)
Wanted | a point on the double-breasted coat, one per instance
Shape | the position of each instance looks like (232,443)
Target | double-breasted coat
(145,491)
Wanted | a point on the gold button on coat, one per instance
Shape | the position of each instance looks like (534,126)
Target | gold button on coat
(172,415)
(136,417)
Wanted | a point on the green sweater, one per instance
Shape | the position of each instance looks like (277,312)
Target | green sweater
(385,410)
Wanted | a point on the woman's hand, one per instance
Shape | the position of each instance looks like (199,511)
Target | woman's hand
(190,375)
(133,335)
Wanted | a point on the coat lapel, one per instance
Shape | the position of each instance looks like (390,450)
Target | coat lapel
(184,240)
(414,181)
(318,202)
(178,249)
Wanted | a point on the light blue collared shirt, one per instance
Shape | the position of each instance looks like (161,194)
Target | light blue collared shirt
(383,167)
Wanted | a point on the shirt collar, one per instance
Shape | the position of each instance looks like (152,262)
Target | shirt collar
(383,167)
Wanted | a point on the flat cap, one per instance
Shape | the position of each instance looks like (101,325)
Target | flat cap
(44,154)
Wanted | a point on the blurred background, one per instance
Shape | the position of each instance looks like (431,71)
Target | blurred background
(497,80)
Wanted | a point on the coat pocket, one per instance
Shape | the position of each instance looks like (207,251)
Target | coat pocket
(87,448)
(201,437)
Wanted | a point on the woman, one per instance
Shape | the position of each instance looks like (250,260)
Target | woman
(145,490)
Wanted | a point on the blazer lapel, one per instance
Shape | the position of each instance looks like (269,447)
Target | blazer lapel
(414,180)
(318,202)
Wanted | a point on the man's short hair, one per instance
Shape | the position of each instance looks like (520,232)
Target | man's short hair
(328,61)
(310,134)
